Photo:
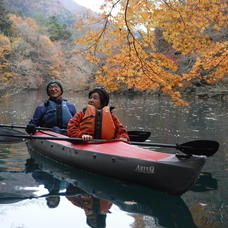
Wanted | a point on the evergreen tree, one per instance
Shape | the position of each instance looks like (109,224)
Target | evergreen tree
(57,31)
(5,23)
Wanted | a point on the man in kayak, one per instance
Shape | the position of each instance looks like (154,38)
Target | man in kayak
(97,121)
(54,113)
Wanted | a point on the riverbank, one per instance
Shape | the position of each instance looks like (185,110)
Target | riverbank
(218,91)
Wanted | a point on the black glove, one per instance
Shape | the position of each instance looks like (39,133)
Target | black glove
(30,128)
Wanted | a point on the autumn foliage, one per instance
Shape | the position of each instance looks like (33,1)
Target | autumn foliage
(127,50)
(36,50)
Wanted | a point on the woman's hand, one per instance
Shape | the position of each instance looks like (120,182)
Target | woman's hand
(87,138)
(123,139)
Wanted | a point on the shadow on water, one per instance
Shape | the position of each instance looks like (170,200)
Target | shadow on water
(205,183)
(96,194)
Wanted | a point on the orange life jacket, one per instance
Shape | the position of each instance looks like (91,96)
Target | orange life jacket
(98,123)
(91,204)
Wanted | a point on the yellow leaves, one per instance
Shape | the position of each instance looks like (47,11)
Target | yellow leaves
(80,24)
(45,41)
(4,40)
(6,77)
(190,24)
(19,21)
(5,49)
(217,27)
(126,47)
(214,62)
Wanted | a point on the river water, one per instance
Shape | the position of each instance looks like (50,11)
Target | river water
(203,206)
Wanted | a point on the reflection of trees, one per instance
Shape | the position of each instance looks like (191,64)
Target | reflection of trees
(12,154)
(210,214)
(143,221)
(211,210)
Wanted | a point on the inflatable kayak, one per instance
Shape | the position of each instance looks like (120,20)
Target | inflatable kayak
(170,173)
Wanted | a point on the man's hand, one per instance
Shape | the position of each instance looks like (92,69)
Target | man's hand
(30,129)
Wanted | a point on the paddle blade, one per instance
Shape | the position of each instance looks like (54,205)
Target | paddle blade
(10,136)
(8,198)
(138,136)
(199,147)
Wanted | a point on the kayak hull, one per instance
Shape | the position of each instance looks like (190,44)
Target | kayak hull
(170,173)
(130,197)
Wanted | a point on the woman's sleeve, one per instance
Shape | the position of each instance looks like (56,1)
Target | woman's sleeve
(120,130)
(73,128)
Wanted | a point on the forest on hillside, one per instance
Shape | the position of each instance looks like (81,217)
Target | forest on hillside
(166,47)
(34,50)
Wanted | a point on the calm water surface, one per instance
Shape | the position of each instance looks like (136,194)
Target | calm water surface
(204,206)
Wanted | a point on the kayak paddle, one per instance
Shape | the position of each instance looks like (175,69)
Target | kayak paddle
(8,136)
(197,147)
(8,198)
(138,136)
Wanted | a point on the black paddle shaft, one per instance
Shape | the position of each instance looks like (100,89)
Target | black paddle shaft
(138,136)
(197,147)
(8,198)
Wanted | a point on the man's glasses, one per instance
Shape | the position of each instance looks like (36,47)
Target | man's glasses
(53,87)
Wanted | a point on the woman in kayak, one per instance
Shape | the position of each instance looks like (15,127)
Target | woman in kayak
(97,121)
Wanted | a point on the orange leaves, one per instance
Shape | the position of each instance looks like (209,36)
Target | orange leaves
(25,21)
(4,40)
(214,62)
(193,25)
(126,68)
(128,53)
(5,50)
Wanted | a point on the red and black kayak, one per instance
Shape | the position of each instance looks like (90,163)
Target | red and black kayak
(170,173)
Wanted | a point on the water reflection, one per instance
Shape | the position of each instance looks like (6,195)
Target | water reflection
(95,209)
(132,206)
(205,183)
(12,157)
(53,185)
(95,194)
